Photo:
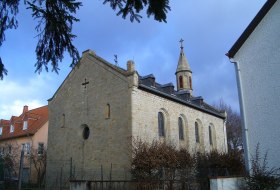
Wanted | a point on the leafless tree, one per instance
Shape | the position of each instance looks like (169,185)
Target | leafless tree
(10,157)
(38,162)
(233,125)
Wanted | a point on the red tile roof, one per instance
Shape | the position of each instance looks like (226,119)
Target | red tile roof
(36,118)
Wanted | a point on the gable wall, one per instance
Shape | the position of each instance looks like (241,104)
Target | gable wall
(109,140)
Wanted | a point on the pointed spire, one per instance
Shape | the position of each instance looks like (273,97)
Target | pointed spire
(183,72)
(183,64)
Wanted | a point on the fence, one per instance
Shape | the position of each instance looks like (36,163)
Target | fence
(136,185)
(100,177)
(109,178)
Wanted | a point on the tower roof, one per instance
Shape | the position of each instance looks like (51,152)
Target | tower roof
(183,64)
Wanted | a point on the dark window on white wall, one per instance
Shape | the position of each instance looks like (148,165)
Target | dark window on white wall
(196,133)
(181,129)
(161,131)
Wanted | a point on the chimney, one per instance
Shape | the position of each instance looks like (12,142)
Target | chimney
(130,66)
(25,109)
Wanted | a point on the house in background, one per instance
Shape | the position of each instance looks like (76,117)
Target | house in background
(30,132)
(256,56)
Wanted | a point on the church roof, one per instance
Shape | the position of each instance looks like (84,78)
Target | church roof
(36,119)
(148,83)
(250,28)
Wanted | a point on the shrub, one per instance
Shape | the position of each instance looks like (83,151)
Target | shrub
(159,160)
(261,177)
(217,163)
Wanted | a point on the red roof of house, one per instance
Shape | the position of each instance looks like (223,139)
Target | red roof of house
(35,118)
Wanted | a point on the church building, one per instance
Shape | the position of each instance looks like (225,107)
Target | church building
(101,109)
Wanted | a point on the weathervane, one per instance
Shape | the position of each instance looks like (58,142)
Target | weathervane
(116,60)
(181,41)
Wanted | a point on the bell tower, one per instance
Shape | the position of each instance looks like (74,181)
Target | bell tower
(183,72)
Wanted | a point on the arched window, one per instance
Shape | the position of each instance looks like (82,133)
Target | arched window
(181,82)
(108,111)
(63,120)
(161,131)
(181,129)
(197,140)
(210,135)
(190,81)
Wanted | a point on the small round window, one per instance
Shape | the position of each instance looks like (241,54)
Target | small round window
(86,132)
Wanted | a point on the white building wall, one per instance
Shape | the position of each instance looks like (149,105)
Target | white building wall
(259,62)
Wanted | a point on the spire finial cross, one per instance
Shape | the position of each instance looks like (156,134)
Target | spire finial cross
(181,41)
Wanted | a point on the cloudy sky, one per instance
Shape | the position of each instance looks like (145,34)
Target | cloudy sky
(209,28)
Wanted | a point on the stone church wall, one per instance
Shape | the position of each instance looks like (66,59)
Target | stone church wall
(145,108)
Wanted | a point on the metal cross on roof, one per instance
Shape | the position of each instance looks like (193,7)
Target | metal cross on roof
(181,41)
(85,83)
